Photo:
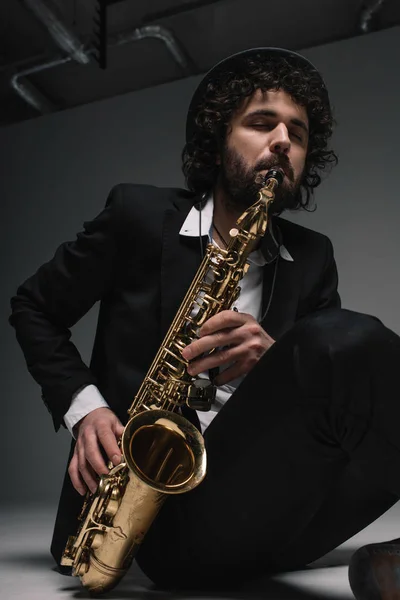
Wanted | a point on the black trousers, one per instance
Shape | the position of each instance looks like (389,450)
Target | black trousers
(305,454)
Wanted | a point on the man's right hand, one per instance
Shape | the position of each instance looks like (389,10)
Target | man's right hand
(101,427)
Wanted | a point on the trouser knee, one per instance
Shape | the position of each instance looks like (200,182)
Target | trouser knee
(338,330)
(337,346)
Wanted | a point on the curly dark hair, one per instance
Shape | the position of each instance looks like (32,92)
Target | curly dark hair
(223,96)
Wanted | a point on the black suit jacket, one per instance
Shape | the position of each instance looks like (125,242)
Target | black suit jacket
(132,259)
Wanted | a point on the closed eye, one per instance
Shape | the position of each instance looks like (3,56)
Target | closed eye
(268,127)
(296,135)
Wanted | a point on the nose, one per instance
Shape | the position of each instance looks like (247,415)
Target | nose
(280,141)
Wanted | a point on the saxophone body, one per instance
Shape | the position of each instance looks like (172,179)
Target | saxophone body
(162,452)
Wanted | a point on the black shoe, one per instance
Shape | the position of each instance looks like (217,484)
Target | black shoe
(374,571)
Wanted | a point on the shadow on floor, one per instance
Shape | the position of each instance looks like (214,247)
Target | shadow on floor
(273,590)
(136,585)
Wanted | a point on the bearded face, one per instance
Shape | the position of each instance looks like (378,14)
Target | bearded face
(270,130)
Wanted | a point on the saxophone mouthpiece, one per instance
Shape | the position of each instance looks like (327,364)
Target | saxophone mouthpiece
(274,174)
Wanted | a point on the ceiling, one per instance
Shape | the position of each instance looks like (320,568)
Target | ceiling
(150,42)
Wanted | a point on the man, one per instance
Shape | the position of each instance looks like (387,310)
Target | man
(304,416)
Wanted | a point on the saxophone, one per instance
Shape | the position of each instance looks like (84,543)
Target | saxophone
(162,452)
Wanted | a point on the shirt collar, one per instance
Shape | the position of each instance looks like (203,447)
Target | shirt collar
(199,222)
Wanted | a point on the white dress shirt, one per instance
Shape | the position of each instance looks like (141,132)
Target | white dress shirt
(249,301)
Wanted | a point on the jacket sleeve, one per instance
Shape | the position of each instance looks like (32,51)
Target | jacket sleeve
(324,293)
(52,300)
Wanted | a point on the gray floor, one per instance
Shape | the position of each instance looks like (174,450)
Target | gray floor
(26,568)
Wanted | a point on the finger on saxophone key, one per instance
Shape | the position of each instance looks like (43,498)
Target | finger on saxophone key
(100,428)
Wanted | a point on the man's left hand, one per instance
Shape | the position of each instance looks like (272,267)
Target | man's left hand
(242,341)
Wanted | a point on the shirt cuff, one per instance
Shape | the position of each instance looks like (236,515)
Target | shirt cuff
(83,402)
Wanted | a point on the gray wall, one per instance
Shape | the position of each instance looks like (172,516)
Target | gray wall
(56,172)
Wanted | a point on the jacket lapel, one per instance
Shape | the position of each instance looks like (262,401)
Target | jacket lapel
(181,257)
(280,296)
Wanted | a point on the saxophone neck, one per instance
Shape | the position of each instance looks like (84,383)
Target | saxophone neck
(254,220)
